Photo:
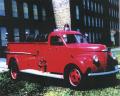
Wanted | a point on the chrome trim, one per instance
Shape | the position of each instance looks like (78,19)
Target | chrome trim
(105,50)
(41,73)
(105,73)
(26,53)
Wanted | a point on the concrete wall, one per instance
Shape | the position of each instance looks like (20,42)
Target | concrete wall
(62,12)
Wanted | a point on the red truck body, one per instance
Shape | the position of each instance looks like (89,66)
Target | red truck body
(66,55)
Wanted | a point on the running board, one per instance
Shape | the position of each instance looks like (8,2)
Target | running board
(41,73)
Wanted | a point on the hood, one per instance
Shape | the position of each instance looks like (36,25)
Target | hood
(87,47)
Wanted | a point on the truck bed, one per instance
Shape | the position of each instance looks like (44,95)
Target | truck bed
(26,47)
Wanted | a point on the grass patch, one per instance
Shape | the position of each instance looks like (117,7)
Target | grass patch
(17,88)
(117,53)
(33,88)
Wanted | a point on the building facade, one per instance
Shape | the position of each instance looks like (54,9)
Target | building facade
(97,19)
(21,17)
(119,22)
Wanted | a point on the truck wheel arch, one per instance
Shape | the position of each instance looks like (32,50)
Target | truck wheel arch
(12,59)
(68,66)
(67,72)
(13,69)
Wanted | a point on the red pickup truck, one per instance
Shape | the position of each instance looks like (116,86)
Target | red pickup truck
(66,56)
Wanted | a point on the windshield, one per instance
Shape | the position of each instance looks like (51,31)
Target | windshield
(74,38)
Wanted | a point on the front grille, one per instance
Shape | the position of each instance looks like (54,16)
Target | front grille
(110,68)
(111,63)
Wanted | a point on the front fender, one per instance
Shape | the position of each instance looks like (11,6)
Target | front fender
(83,63)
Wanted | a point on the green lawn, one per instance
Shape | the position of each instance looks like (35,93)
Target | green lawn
(34,88)
(117,53)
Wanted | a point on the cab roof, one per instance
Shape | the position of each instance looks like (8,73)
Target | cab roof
(62,32)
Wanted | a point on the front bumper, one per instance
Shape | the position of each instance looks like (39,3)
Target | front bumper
(116,70)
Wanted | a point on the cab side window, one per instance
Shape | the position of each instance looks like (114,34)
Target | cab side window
(56,40)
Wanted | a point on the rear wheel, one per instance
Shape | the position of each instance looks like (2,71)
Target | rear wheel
(14,71)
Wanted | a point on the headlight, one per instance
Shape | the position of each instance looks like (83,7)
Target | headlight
(105,50)
(95,58)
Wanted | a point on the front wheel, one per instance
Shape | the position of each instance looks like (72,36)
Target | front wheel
(74,77)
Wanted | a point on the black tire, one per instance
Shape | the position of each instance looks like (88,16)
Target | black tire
(14,71)
(73,77)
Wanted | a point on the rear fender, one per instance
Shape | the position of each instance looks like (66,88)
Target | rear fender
(11,60)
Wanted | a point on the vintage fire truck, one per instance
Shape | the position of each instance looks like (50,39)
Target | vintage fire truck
(66,55)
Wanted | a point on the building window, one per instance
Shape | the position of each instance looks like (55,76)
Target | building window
(4,34)
(96,22)
(109,11)
(84,3)
(102,23)
(118,26)
(110,25)
(100,36)
(89,21)
(95,7)
(117,2)
(85,21)
(101,9)
(35,12)
(92,21)
(93,35)
(113,13)
(14,8)
(16,35)
(89,35)
(88,4)
(43,14)
(116,14)
(99,22)
(77,12)
(97,37)
(98,8)
(25,10)
(36,34)
(2,8)
(92,8)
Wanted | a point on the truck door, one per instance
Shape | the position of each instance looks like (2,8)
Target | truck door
(55,56)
